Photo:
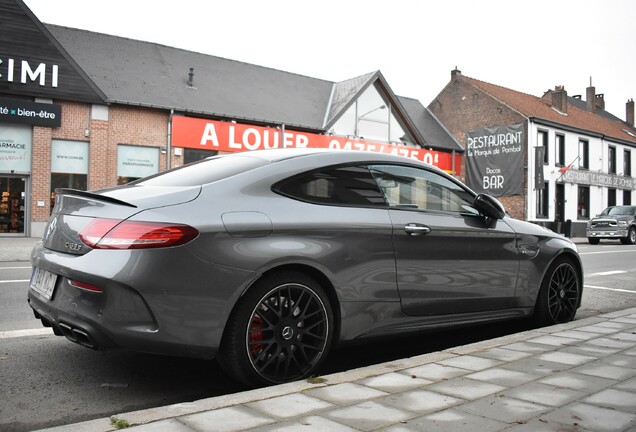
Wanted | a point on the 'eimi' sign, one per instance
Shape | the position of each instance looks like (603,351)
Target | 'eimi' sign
(204,134)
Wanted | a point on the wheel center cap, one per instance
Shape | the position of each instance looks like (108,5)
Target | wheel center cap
(562,293)
(287,333)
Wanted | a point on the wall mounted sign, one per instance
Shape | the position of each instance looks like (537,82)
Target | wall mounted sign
(494,160)
(205,134)
(589,178)
(32,113)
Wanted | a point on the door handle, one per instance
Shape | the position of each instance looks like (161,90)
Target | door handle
(416,229)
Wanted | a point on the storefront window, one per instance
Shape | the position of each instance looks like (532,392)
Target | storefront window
(583,202)
(135,162)
(627,197)
(69,166)
(12,198)
(611,197)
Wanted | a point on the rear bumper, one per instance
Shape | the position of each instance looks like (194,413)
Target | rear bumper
(172,304)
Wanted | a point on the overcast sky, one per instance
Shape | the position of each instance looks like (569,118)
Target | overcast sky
(526,46)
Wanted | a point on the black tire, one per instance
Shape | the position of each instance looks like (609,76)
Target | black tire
(280,331)
(559,295)
(593,241)
(631,236)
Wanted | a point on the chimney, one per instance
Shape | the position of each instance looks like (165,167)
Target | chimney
(191,78)
(600,101)
(455,72)
(629,112)
(560,99)
(590,98)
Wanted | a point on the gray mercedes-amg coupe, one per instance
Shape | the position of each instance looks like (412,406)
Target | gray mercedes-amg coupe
(266,259)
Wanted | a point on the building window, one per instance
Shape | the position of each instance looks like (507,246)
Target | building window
(372,118)
(193,155)
(611,197)
(627,197)
(627,163)
(560,149)
(542,141)
(69,166)
(543,200)
(584,154)
(611,160)
(583,202)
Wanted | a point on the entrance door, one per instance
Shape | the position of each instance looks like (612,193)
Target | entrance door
(12,205)
(559,216)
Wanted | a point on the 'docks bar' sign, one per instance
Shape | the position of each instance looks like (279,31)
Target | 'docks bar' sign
(494,160)
(205,134)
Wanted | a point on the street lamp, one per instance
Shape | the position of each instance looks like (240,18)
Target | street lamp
(360,117)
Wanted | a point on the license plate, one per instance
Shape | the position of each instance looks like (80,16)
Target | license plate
(43,282)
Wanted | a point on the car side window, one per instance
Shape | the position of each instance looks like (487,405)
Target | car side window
(416,188)
(345,185)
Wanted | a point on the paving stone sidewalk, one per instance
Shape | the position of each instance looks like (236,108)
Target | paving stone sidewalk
(579,376)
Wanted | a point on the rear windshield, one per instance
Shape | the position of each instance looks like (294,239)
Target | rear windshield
(203,172)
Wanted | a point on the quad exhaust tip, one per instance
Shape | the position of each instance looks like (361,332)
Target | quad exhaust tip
(78,336)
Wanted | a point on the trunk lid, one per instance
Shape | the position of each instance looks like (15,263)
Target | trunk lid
(74,210)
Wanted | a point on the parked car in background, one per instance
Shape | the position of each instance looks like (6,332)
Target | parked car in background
(267,259)
(616,222)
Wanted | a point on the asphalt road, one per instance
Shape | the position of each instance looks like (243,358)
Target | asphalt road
(47,381)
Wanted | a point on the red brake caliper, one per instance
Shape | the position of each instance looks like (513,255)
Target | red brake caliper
(256,335)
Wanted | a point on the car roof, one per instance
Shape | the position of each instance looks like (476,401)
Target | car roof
(327,156)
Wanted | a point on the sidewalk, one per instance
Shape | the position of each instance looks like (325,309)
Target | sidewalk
(579,376)
(16,248)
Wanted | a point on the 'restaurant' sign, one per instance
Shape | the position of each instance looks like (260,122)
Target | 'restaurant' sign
(494,160)
(205,134)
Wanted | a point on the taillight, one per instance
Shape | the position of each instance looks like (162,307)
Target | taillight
(113,234)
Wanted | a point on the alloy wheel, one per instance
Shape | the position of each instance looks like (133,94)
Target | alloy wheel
(563,293)
(287,333)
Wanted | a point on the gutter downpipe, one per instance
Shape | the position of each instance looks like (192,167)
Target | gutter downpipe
(283,144)
(169,146)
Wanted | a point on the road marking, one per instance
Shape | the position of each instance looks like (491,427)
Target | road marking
(609,289)
(608,252)
(14,268)
(15,281)
(607,273)
(29,332)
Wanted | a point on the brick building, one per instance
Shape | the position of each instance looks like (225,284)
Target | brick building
(86,110)
(549,159)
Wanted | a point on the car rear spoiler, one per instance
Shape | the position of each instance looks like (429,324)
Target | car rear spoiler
(93,196)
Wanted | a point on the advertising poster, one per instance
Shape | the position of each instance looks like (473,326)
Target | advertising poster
(204,134)
(69,157)
(494,160)
(15,149)
(137,162)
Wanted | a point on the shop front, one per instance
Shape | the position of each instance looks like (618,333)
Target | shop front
(15,167)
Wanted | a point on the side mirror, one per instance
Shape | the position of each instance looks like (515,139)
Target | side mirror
(489,206)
